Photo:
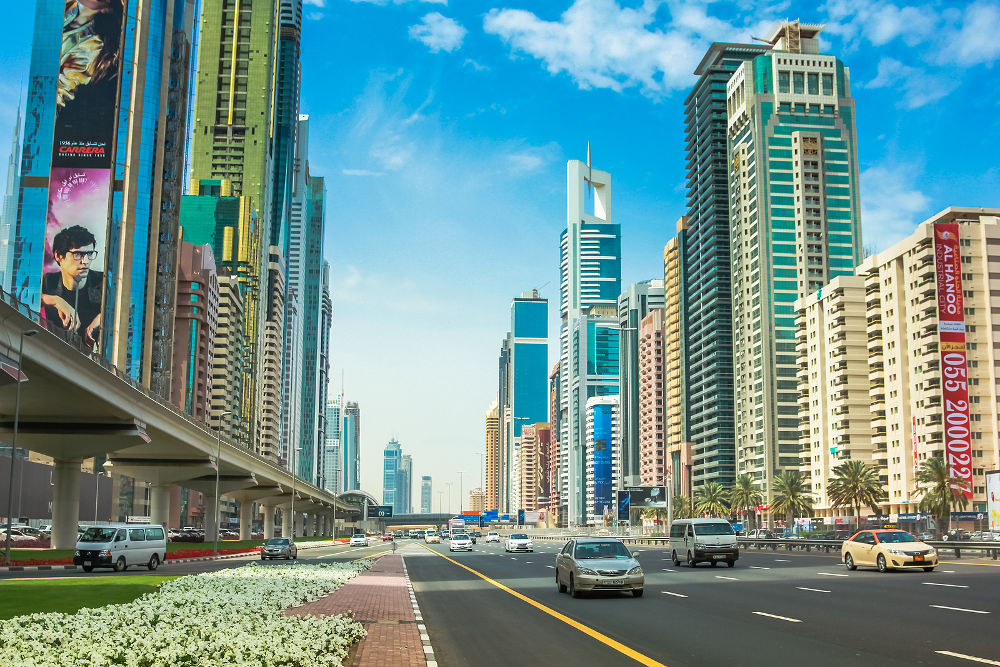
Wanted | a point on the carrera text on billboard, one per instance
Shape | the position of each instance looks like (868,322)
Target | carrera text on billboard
(80,180)
(951,331)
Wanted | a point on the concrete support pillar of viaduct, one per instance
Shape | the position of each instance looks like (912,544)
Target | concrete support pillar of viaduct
(316,525)
(65,502)
(268,521)
(301,518)
(159,504)
(211,517)
(246,516)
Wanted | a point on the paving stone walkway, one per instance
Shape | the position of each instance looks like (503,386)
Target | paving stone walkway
(379,600)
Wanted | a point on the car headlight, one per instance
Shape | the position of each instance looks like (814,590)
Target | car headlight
(587,570)
(636,570)
(931,552)
(699,545)
(896,552)
(76,553)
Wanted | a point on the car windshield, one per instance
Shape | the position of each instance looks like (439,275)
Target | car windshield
(520,536)
(892,538)
(277,542)
(98,535)
(357,535)
(713,529)
(609,549)
(459,536)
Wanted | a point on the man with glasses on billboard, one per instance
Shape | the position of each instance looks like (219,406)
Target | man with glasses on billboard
(71,296)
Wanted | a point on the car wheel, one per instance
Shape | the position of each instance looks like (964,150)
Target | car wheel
(120,564)
(713,563)
(559,584)
(690,560)
(88,568)
(730,563)
(882,567)
(637,592)
(929,569)
(849,562)
(675,559)
(572,588)
(263,558)
(154,562)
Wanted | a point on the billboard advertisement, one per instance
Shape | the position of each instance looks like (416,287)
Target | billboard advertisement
(379,511)
(951,331)
(602,458)
(993,499)
(81,175)
(648,496)
(623,505)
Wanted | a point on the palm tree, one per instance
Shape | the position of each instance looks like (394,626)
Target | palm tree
(744,497)
(791,496)
(854,485)
(940,491)
(712,499)
(657,514)
(682,506)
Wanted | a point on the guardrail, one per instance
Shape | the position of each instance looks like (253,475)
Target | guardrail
(987,549)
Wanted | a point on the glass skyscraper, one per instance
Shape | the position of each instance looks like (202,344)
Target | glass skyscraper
(426,491)
(706,276)
(351,446)
(392,463)
(793,194)
(590,283)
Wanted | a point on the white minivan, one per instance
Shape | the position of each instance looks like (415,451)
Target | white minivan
(703,540)
(119,545)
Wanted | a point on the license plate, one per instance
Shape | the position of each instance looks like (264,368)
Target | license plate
(718,556)
(613,582)
(918,558)
(87,563)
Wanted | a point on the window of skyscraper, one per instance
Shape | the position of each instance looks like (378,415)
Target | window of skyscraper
(814,84)
(798,83)
(783,82)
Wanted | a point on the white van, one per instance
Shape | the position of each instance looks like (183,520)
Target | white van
(703,540)
(119,545)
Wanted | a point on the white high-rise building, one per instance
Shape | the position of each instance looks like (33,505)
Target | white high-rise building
(603,458)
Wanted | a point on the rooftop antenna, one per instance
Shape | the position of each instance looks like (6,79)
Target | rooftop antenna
(590,183)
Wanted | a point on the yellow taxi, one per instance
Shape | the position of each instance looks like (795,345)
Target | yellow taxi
(887,550)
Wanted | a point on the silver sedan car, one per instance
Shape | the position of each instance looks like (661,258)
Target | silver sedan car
(279,547)
(598,564)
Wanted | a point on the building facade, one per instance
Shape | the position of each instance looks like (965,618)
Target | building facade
(228,359)
(704,296)
(651,407)
(603,459)
(8,207)
(392,462)
(492,458)
(794,209)
(270,396)
(534,463)
(351,439)
(334,445)
(195,330)
(404,501)
(711,464)
(634,304)
(426,494)
(590,283)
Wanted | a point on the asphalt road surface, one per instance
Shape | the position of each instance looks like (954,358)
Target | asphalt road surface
(773,608)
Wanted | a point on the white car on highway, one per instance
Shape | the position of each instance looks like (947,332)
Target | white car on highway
(518,542)
(460,542)
(492,536)
(359,540)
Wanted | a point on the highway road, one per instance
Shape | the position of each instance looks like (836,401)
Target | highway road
(489,607)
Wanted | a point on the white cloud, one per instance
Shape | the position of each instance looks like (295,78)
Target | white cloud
(976,38)
(602,45)
(438,32)
(532,158)
(477,66)
(383,3)
(891,204)
(916,87)
(878,22)
(315,3)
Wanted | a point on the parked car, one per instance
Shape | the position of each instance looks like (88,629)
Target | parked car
(518,542)
(359,540)
(590,564)
(118,547)
(460,542)
(279,547)
(887,550)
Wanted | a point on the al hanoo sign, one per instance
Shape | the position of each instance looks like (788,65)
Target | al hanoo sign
(951,331)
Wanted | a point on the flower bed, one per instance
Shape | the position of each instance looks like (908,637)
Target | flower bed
(230,617)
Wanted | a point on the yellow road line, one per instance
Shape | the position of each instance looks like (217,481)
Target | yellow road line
(604,639)
(380,553)
(959,562)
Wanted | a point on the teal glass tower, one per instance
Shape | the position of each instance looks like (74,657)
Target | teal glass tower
(795,220)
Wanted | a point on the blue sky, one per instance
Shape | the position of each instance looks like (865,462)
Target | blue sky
(443,130)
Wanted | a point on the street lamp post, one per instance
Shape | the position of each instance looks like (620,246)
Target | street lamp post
(440,493)
(97,492)
(461,501)
(218,464)
(482,467)
(13,442)
(448,484)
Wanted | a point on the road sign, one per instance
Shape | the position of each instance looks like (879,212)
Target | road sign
(380,511)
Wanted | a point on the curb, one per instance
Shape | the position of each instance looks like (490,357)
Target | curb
(169,561)
(421,628)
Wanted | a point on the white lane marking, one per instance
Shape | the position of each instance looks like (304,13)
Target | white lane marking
(666,570)
(527,561)
(832,574)
(727,578)
(814,590)
(676,595)
(934,583)
(781,618)
(664,559)
(781,560)
(968,657)
(971,611)
(757,567)
(948,571)
(551,567)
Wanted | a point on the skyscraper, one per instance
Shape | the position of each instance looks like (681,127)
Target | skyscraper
(404,501)
(334,445)
(392,462)
(8,207)
(705,291)
(351,446)
(196,317)
(634,304)
(526,349)
(674,441)
(311,304)
(274,318)
(651,406)
(590,283)
(603,456)
(287,81)
(492,457)
(323,366)
(793,193)
(426,494)
(228,358)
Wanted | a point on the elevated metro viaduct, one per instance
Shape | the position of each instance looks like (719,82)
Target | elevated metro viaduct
(73,407)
